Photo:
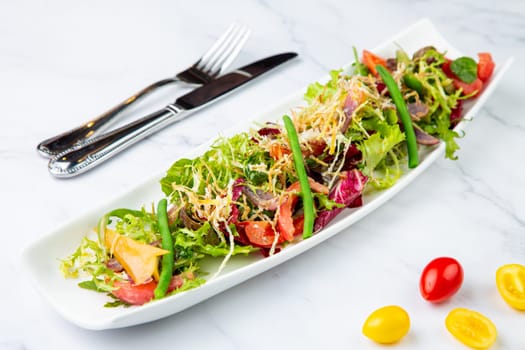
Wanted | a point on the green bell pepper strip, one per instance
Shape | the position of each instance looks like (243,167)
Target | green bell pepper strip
(392,87)
(306,191)
(167,244)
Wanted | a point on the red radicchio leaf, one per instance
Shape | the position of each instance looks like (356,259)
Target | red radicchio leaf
(268,131)
(237,187)
(234,216)
(347,191)
(380,86)
(391,64)
(353,157)
(357,202)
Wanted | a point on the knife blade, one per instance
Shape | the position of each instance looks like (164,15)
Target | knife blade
(99,149)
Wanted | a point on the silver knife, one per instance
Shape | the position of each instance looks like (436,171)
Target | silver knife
(95,151)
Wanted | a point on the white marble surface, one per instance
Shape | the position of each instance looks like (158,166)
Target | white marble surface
(62,62)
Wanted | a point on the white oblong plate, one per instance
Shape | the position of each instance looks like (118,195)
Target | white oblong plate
(85,308)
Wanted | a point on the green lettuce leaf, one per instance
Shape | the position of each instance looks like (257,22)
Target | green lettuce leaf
(227,160)
(89,258)
(376,148)
(205,241)
(141,228)
(319,91)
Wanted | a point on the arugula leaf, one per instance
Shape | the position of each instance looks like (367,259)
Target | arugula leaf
(116,302)
(465,68)
(90,285)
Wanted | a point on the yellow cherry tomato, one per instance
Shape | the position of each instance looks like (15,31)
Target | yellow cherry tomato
(510,280)
(387,325)
(471,328)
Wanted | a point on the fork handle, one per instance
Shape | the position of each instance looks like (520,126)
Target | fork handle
(99,149)
(74,137)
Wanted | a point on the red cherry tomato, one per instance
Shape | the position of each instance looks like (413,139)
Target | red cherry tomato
(441,279)
(285,223)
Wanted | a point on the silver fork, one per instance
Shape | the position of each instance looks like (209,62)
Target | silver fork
(212,63)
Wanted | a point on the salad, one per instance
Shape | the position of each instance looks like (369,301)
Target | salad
(278,183)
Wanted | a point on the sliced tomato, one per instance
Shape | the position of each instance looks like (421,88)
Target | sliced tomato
(286,224)
(134,294)
(485,66)
(139,294)
(471,328)
(468,89)
(510,280)
(371,60)
(260,233)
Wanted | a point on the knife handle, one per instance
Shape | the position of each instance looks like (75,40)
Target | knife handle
(75,137)
(99,149)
